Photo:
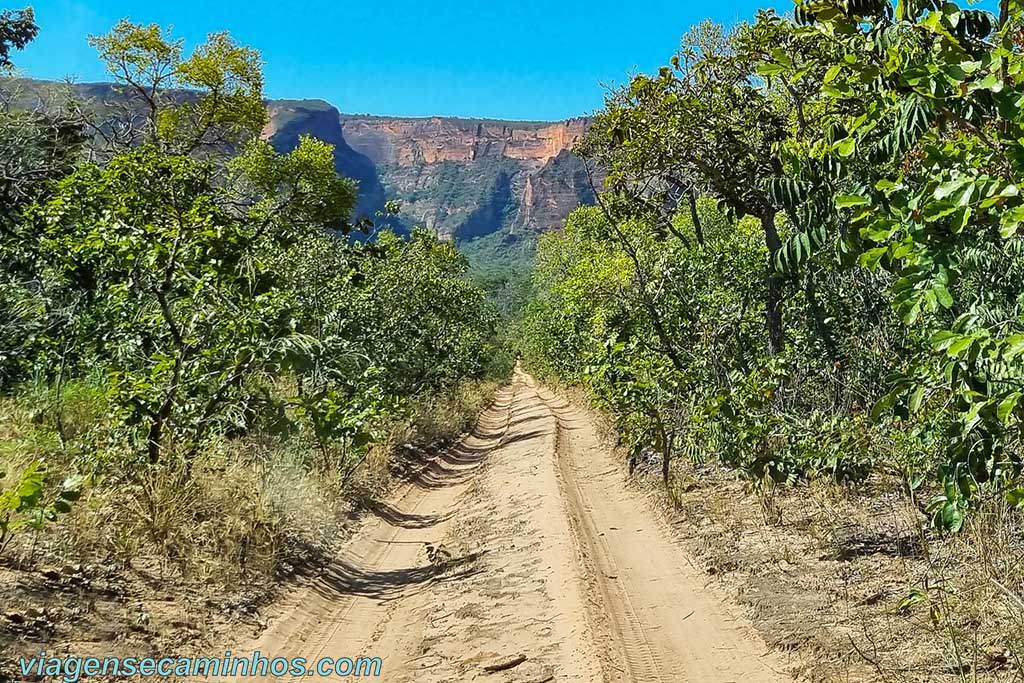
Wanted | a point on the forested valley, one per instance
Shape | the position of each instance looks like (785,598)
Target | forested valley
(796,308)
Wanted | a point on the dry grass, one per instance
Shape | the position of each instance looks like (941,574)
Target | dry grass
(169,558)
(237,512)
(442,419)
(434,422)
(831,578)
(244,511)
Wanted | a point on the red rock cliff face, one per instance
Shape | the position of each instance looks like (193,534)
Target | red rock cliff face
(465,178)
(406,142)
(461,178)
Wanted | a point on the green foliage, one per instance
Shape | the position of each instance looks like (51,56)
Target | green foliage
(390,322)
(189,295)
(429,321)
(501,263)
(24,505)
(855,302)
(207,281)
(925,104)
(168,288)
(774,416)
(210,100)
(17,29)
(297,191)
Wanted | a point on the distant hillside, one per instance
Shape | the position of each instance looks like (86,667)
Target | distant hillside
(461,178)
(288,120)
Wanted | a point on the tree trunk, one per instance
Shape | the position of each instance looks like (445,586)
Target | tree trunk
(818,315)
(669,348)
(773,303)
(154,439)
(668,441)
(667,461)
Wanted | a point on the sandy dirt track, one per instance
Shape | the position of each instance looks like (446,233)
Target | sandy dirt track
(523,548)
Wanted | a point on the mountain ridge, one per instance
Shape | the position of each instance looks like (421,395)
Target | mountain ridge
(460,177)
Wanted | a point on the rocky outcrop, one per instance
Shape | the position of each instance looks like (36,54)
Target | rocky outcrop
(559,187)
(465,178)
(407,142)
(288,120)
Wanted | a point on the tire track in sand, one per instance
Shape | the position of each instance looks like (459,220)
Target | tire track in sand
(342,611)
(661,622)
(555,560)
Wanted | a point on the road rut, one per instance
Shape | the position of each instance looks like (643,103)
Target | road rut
(541,559)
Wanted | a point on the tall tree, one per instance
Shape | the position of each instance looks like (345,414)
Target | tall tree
(708,124)
(17,29)
(207,103)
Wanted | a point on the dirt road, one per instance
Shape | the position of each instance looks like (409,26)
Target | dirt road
(521,550)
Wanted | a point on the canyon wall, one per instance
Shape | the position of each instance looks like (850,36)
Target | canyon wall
(409,142)
(288,120)
(461,178)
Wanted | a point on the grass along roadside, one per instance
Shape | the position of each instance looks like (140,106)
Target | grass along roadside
(848,581)
(171,559)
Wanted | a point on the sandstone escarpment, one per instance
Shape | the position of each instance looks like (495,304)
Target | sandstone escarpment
(464,178)
(559,187)
(461,178)
(288,120)
(407,142)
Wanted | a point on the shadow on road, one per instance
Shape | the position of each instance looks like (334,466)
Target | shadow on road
(346,578)
(398,518)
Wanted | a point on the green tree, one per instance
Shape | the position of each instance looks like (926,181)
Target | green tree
(705,125)
(733,329)
(209,102)
(175,293)
(928,101)
(17,29)
(36,148)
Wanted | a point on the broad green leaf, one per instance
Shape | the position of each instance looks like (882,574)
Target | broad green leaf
(941,340)
(933,211)
(880,230)
(916,398)
(846,201)
(948,188)
(770,69)
(1010,222)
(871,258)
(958,347)
(943,296)
(1006,407)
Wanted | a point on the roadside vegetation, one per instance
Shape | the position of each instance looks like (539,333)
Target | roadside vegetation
(804,274)
(202,375)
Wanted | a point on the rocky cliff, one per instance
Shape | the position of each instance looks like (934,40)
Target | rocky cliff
(461,178)
(410,142)
(287,120)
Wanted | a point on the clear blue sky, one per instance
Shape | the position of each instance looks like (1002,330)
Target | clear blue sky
(518,59)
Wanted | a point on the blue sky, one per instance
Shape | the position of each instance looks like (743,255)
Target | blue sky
(523,59)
